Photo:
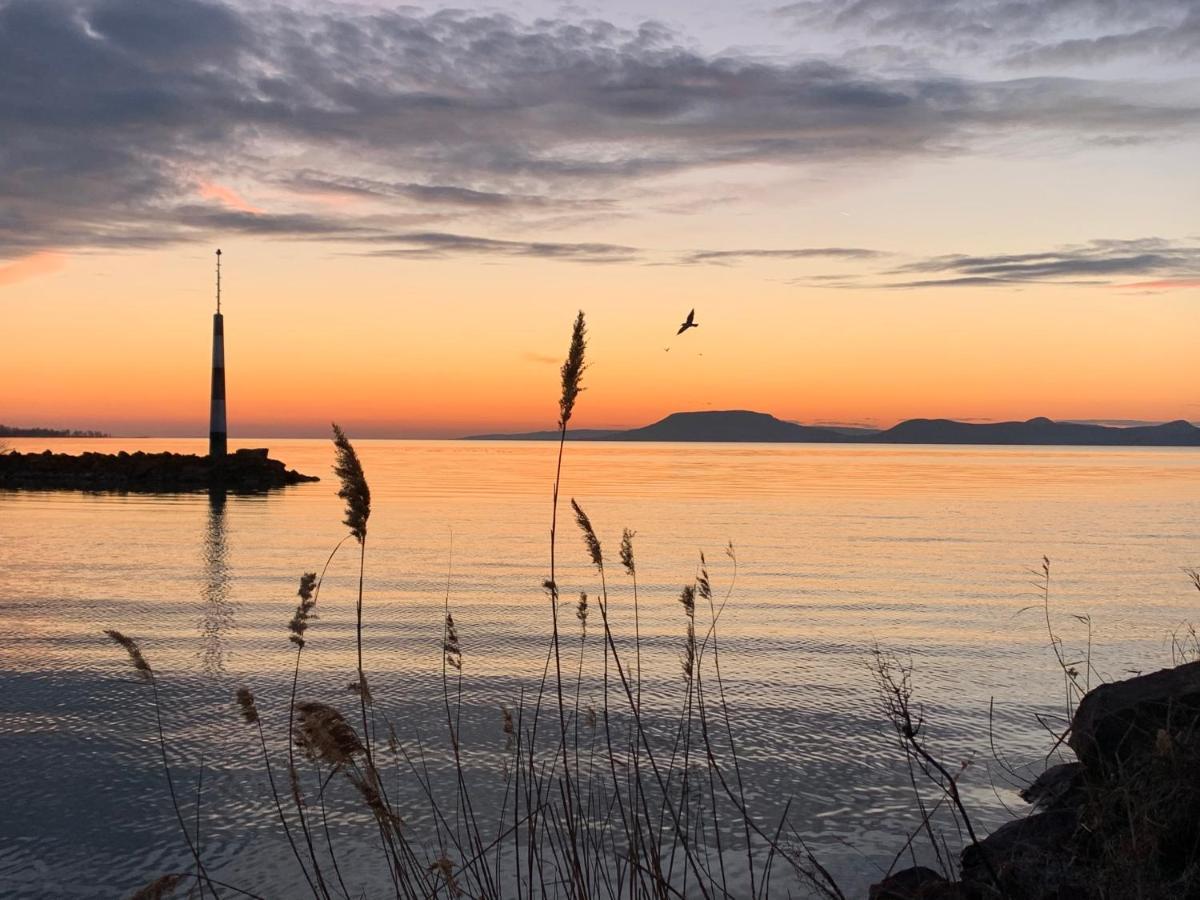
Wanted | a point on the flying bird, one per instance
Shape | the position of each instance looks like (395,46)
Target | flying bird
(688,323)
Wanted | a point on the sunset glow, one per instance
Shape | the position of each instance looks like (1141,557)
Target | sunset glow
(856,251)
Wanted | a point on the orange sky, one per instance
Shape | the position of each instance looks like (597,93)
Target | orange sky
(948,226)
(121,343)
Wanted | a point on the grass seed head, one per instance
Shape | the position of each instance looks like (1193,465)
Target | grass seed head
(572,371)
(354,488)
(627,551)
(245,700)
(687,599)
(324,735)
(589,535)
(134,651)
(303,613)
(581,611)
(451,646)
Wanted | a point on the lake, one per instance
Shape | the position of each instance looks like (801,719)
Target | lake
(933,553)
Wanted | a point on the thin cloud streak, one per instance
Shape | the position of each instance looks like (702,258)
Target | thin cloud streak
(1098,263)
(437,245)
(727,257)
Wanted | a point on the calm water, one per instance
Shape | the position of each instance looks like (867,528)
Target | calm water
(923,551)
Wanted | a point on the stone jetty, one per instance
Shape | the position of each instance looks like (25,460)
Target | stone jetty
(246,471)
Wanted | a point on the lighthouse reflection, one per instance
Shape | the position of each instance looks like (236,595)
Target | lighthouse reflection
(217,617)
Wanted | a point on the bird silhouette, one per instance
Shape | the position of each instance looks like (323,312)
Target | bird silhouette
(688,323)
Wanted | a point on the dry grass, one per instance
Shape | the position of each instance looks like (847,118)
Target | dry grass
(595,802)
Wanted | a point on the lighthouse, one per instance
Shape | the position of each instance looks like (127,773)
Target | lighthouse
(217,434)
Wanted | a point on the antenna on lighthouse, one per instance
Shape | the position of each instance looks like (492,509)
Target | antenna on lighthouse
(218,279)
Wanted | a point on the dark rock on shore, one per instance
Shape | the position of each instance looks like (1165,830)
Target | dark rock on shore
(1123,821)
(916,883)
(1123,721)
(244,472)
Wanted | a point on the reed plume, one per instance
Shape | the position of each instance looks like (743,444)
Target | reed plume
(324,734)
(702,584)
(304,609)
(443,866)
(589,535)
(357,495)
(687,599)
(626,552)
(687,659)
(354,488)
(134,651)
(367,785)
(581,611)
(572,371)
(450,645)
(249,709)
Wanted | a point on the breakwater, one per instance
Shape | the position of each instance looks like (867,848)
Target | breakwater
(246,471)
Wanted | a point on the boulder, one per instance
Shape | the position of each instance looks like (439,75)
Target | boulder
(916,883)
(1058,787)
(1120,722)
(1029,856)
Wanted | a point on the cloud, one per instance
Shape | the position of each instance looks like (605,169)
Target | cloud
(113,110)
(1163,284)
(442,195)
(1098,262)
(1019,33)
(436,245)
(226,196)
(542,358)
(725,257)
(42,262)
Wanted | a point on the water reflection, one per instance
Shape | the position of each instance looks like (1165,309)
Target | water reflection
(217,619)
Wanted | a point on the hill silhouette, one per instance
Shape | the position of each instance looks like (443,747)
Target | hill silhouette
(739,425)
(730,425)
(1040,431)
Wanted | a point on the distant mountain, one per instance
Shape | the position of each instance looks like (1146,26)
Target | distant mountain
(854,431)
(1041,431)
(730,425)
(741,425)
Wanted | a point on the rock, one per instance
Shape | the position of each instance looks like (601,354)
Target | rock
(1029,857)
(246,471)
(1057,788)
(916,883)
(1119,722)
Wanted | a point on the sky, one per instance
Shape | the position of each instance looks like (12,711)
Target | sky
(879,209)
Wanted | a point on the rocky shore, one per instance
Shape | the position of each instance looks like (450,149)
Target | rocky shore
(243,472)
(1122,820)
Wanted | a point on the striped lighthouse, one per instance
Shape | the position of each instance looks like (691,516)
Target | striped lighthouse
(217,435)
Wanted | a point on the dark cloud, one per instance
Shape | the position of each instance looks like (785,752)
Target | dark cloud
(1178,40)
(440,195)
(435,245)
(118,116)
(725,257)
(1099,262)
(1024,33)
